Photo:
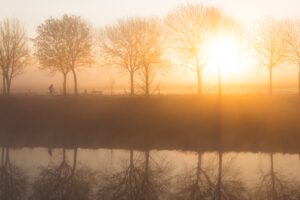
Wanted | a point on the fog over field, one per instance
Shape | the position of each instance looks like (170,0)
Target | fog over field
(149,100)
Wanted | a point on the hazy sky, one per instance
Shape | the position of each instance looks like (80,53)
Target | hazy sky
(99,12)
(103,12)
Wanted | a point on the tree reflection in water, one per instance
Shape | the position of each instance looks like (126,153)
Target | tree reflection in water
(203,182)
(144,176)
(275,186)
(139,180)
(13,182)
(63,182)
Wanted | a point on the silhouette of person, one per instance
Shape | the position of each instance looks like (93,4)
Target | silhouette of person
(51,89)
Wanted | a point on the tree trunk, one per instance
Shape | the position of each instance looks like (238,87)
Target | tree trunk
(131,83)
(219,184)
(65,84)
(75,82)
(299,81)
(147,82)
(219,82)
(3,85)
(198,167)
(199,81)
(8,84)
(271,81)
(273,195)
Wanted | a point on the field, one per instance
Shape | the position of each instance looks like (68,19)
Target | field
(234,123)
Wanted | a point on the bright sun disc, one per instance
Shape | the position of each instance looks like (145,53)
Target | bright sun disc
(224,54)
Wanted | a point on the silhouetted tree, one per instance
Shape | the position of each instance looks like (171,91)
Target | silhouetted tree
(119,46)
(64,45)
(13,182)
(13,51)
(151,52)
(292,38)
(189,28)
(270,46)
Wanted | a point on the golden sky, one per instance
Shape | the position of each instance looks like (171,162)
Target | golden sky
(103,12)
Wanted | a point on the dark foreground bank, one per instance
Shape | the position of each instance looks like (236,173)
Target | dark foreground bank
(234,123)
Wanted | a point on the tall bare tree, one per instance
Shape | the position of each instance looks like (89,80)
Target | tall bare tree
(189,28)
(292,38)
(119,46)
(270,46)
(63,45)
(51,50)
(151,53)
(13,51)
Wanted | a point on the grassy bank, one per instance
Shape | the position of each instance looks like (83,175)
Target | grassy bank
(234,123)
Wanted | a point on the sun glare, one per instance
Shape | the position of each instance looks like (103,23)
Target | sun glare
(224,55)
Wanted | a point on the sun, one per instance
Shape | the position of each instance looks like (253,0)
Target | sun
(225,56)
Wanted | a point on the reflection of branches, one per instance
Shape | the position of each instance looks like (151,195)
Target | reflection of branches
(121,185)
(274,186)
(154,180)
(13,182)
(63,182)
(195,186)
(204,183)
(138,181)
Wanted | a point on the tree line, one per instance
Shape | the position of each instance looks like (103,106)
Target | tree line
(142,46)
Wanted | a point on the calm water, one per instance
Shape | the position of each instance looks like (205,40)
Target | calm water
(105,174)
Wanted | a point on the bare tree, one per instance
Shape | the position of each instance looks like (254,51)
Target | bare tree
(270,46)
(189,29)
(63,45)
(119,46)
(13,51)
(151,52)
(292,38)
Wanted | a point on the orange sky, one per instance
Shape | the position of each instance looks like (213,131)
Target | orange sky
(103,12)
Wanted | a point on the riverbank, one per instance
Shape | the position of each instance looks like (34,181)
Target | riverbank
(234,123)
